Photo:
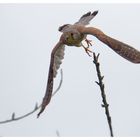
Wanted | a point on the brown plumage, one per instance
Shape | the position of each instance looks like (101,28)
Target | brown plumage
(56,57)
(73,35)
(124,50)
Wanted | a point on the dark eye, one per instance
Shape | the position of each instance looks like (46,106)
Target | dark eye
(71,34)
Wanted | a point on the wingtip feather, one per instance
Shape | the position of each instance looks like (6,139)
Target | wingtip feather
(95,13)
(87,14)
(62,27)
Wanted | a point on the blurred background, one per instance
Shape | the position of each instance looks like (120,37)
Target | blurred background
(28,33)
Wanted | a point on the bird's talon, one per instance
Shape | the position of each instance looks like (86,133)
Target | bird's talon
(87,50)
(88,42)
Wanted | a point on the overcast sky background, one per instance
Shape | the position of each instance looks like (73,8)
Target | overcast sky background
(28,32)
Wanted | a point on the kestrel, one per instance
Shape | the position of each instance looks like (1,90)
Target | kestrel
(73,35)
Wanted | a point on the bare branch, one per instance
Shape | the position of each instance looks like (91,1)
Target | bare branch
(101,85)
(13,118)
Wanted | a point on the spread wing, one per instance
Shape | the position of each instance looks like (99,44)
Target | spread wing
(86,18)
(56,59)
(121,48)
(65,28)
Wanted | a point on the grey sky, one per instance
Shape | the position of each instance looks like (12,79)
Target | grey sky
(28,32)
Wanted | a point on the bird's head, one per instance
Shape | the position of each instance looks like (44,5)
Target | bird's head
(72,38)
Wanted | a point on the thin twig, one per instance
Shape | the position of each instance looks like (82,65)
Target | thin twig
(13,118)
(101,85)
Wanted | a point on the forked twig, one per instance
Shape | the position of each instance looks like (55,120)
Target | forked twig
(13,118)
(101,85)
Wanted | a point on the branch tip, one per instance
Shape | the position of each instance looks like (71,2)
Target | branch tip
(103,95)
(97,83)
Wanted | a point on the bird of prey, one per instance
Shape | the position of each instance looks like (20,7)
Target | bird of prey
(74,35)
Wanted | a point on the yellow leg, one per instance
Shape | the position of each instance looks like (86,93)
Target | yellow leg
(87,50)
(88,42)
